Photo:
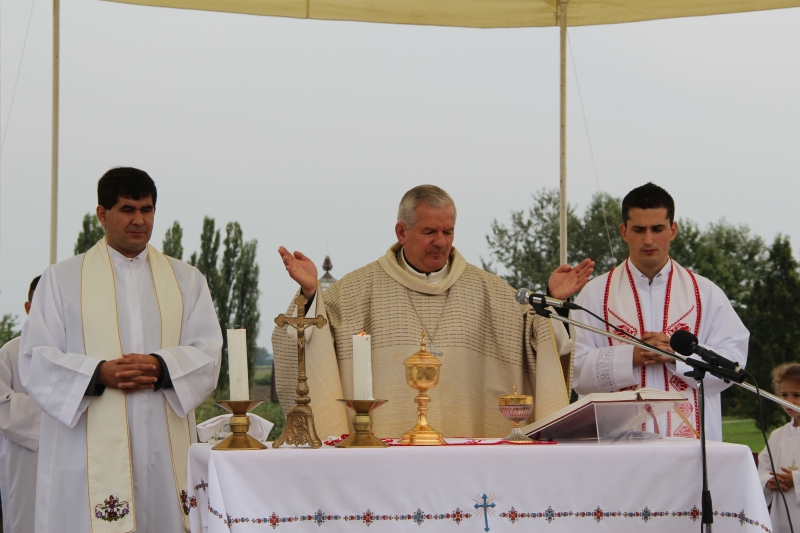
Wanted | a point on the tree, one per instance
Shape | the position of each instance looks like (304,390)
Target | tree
(244,301)
(770,312)
(91,233)
(172,241)
(599,237)
(8,325)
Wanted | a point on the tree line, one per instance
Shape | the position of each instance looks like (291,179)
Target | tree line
(762,281)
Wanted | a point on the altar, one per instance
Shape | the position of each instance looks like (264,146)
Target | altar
(479,486)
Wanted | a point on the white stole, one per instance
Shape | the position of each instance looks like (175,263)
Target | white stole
(109,475)
(682,310)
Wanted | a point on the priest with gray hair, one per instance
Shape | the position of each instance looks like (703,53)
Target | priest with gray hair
(488,343)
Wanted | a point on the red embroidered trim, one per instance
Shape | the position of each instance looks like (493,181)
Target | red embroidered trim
(666,298)
(471,442)
(699,304)
(605,305)
(643,379)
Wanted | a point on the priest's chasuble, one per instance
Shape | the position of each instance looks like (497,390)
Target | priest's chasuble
(489,344)
(676,299)
(67,334)
(785,445)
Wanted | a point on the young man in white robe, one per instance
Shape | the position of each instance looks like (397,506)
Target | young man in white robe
(121,344)
(785,445)
(487,342)
(650,296)
(20,418)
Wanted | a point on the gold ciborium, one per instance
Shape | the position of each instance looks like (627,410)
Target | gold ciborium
(362,423)
(422,373)
(516,407)
(240,424)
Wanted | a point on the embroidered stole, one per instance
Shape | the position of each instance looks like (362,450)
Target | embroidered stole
(109,472)
(682,310)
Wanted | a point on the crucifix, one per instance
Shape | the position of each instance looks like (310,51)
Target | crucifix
(299,428)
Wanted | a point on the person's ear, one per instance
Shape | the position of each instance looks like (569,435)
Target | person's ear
(623,231)
(27,308)
(101,215)
(400,231)
(674,229)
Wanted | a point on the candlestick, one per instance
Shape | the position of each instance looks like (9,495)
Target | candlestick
(362,367)
(237,364)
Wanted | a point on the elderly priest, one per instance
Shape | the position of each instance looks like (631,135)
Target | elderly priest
(487,342)
(121,344)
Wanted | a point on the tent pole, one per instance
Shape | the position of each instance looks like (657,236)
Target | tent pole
(54,153)
(562,21)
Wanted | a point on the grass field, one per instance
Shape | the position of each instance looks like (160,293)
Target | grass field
(742,432)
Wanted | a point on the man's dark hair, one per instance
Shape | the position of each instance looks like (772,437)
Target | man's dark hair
(648,196)
(32,288)
(124,182)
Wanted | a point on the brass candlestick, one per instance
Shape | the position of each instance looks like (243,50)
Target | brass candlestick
(516,407)
(299,428)
(363,437)
(239,423)
(422,373)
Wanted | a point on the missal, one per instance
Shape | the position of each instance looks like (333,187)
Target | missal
(606,417)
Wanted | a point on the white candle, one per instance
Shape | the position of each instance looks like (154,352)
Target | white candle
(362,367)
(237,364)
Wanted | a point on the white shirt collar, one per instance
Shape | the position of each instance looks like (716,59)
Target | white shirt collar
(433,277)
(133,262)
(659,279)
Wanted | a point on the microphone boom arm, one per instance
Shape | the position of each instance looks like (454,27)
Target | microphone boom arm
(695,363)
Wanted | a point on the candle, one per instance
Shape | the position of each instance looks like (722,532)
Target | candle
(362,367)
(237,364)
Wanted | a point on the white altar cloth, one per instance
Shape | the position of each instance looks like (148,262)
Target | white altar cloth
(653,487)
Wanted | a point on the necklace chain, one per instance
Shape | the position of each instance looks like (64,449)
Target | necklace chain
(441,315)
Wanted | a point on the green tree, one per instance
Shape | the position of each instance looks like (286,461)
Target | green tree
(528,248)
(770,312)
(90,233)
(172,241)
(599,233)
(244,300)
(8,328)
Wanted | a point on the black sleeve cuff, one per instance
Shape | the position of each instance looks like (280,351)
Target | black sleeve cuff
(95,388)
(164,382)
(308,305)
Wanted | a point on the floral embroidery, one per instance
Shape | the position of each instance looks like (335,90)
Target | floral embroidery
(111,509)
(604,369)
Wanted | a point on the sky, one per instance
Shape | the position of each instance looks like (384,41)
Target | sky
(308,132)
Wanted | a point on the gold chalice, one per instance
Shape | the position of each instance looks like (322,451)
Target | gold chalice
(516,407)
(422,373)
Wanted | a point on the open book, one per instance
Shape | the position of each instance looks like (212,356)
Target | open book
(605,415)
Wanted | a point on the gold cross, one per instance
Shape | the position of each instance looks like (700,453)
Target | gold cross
(794,466)
(299,427)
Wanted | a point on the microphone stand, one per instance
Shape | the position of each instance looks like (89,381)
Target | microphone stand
(698,373)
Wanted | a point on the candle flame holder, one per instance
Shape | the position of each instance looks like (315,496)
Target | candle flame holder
(240,424)
(362,437)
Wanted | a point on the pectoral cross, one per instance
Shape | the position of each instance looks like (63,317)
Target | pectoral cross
(299,428)
(794,466)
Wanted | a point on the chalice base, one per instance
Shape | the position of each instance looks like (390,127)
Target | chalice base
(422,435)
(240,424)
(517,435)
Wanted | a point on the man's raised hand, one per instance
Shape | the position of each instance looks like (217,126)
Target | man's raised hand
(301,269)
(566,280)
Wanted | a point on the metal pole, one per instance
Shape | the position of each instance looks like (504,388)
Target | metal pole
(562,22)
(54,154)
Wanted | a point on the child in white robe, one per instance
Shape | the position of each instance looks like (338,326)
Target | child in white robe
(785,445)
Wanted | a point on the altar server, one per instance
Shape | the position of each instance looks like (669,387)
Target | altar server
(19,439)
(650,296)
(486,341)
(122,343)
(785,445)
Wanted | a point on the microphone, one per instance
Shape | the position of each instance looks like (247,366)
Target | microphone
(525,296)
(685,343)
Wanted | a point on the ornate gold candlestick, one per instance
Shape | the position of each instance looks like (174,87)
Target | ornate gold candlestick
(516,407)
(239,423)
(363,437)
(422,373)
(299,428)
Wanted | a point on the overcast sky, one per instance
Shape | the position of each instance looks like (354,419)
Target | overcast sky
(308,132)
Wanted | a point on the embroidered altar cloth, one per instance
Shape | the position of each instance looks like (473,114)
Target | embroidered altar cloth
(652,487)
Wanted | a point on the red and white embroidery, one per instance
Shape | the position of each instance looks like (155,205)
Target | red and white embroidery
(682,311)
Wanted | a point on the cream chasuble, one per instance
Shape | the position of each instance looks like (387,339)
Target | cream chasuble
(489,344)
(108,462)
